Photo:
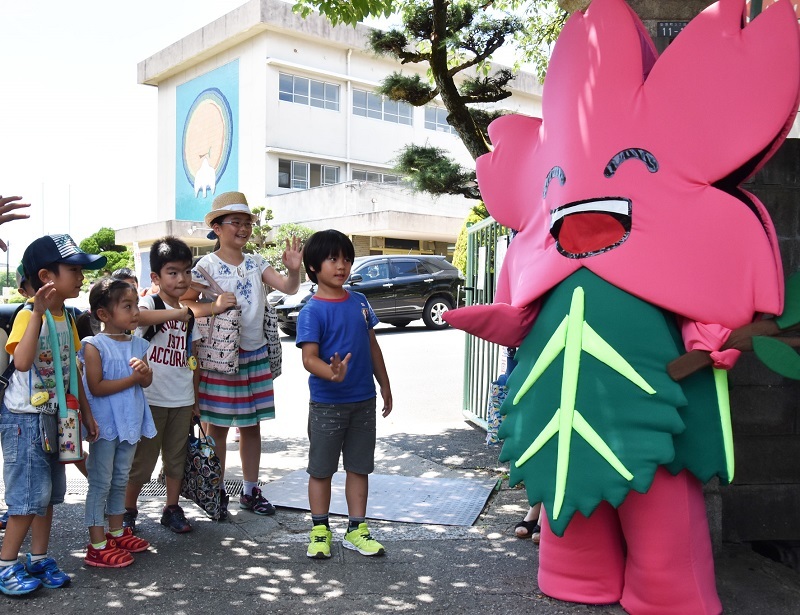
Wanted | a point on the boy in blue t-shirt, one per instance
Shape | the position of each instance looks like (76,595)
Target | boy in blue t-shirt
(339,323)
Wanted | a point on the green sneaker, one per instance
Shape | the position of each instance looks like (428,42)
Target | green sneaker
(320,545)
(360,540)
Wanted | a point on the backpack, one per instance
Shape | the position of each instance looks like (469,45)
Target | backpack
(158,304)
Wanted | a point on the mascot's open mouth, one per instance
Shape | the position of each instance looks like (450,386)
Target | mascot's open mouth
(586,228)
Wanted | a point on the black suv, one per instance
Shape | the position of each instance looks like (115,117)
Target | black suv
(399,289)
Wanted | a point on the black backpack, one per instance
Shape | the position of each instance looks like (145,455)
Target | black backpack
(158,303)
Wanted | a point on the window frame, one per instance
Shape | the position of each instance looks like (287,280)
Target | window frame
(306,97)
(374,106)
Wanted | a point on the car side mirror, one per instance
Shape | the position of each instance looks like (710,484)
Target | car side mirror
(355,279)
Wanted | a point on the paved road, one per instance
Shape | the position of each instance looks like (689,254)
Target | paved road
(258,564)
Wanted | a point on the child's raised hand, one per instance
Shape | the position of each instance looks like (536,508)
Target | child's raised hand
(292,256)
(339,367)
(43,299)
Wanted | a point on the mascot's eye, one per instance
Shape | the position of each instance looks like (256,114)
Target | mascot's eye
(556,172)
(634,152)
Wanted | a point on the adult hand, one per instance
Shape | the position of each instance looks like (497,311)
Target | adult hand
(292,256)
(8,205)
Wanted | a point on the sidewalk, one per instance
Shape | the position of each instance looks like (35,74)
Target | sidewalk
(260,563)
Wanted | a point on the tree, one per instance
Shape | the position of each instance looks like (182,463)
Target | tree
(452,36)
(272,251)
(283,232)
(476,214)
(104,242)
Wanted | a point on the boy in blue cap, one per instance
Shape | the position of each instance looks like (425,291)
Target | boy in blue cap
(34,478)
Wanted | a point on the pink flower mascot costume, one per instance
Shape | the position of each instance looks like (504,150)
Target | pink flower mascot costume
(635,245)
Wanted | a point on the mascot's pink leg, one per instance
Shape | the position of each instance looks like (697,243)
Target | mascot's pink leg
(587,563)
(670,567)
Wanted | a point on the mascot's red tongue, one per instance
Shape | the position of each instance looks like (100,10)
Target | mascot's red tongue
(588,233)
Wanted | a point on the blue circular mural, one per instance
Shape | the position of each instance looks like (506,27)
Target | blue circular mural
(207,140)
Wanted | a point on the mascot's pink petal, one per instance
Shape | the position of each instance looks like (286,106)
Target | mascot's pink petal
(499,323)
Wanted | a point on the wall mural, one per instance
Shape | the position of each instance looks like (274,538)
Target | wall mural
(207,160)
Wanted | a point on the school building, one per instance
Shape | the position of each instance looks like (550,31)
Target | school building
(284,109)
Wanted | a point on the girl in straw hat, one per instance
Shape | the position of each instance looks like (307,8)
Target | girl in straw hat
(243,399)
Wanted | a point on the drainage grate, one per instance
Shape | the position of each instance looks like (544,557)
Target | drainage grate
(151,490)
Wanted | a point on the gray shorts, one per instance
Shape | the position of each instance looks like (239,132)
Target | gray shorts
(346,429)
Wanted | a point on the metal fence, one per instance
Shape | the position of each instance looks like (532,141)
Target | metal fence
(483,361)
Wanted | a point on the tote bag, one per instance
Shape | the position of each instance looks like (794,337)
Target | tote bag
(202,474)
(218,351)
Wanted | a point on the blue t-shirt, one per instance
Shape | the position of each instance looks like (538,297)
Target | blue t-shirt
(340,326)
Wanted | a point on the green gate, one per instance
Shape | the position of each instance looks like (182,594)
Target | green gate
(483,361)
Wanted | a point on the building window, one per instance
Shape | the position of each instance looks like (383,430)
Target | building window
(304,91)
(378,178)
(436,119)
(375,106)
(299,175)
(330,175)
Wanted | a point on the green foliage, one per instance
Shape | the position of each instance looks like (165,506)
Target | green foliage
(15,297)
(429,169)
(476,214)
(410,89)
(104,242)
(348,12)
(260,229)
(273,252)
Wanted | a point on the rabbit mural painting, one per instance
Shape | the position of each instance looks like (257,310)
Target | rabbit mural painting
(635,245)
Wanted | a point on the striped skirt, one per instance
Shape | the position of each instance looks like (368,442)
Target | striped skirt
(242,399)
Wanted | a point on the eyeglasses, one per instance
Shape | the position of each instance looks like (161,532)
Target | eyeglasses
(238,224)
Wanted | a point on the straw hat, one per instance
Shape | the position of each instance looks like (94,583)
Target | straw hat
(229,203)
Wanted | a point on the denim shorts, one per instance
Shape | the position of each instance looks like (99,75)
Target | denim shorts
(346,429)
(33,478)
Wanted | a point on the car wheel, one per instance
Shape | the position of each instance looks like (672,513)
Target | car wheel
(400,323)
(287,330)
(434,312)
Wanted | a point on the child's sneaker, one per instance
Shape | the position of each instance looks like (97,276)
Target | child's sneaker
(256,503)
(129,542)
(16,581)
(129,518)
(110,556)
(360,540)
(320,545)
(4,521)
(175,520)
(46,570)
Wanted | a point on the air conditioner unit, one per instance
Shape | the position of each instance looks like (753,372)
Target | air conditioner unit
(376,242)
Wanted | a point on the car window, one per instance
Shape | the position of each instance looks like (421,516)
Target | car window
(430,266)
(405,268)
(374,271)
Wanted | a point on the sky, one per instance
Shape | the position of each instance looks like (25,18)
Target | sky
(77,133)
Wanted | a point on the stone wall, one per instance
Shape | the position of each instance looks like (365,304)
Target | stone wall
(764,499)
